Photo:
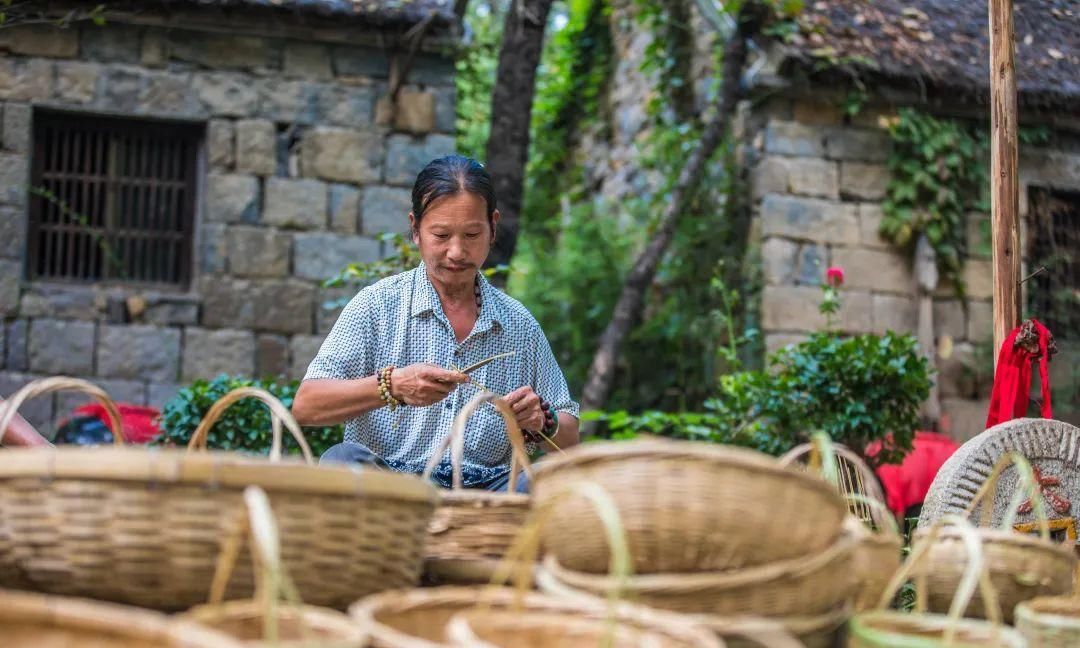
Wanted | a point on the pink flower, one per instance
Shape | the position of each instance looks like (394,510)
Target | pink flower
(834,276)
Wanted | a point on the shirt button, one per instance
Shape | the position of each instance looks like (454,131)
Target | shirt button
(448,405)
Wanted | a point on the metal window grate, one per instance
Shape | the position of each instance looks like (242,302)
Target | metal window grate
(112,199)
(1054,295)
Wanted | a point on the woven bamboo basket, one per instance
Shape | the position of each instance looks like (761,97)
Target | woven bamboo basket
(878,541)
(419,618)
(1049,621)
(886,629)
(39,621)
(1021,566)
(688,507)
(142,526)
(472,529)
(264,621)
(808,586)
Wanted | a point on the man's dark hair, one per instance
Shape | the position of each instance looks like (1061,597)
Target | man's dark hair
(448,176)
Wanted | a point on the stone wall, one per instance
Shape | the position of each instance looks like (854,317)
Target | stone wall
(298,177)
(817,182)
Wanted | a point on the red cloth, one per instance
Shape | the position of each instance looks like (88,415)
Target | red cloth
(907,483)
(139,423)
(1012,382)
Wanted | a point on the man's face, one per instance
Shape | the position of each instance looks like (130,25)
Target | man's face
(454,236)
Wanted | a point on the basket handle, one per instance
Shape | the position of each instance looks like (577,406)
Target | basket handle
(1025,486)
(272,581)
(519,459)
(44,386)
(278,414)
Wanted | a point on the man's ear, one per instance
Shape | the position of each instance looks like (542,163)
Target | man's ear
(495,216)
(414,231)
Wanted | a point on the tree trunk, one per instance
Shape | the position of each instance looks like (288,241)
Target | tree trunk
(631,299)
(511,114)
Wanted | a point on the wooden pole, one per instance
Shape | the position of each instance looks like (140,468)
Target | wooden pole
(1004,181)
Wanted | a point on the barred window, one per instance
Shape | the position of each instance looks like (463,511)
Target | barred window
(111,199)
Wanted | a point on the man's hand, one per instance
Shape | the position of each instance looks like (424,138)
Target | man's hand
(422,384)
(526,406)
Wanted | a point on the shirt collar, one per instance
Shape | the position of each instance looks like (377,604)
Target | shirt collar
(425,299)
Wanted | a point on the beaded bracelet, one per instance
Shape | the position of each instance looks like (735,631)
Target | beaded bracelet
(551,419)
(384,388)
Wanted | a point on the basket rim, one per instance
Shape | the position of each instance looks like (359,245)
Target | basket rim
(1001,536)
(604,451)
(858,623)
(1027,609)
(337,622)
(800,565)
(450,497)
(213,467)
(797,625)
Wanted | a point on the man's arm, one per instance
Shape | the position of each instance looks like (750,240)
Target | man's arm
(21,433)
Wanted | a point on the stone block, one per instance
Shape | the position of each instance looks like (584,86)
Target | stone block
(60,347)
(792,138)
(963,419)
(811,265)
(76,82)
(845,143)
(432,70)
(256,146)
(10,280)
(977,230)
(957,374)
(1050,168)
(17,127)
(307,61)
(949,319)
(232,51)
(795,308)
(856,312)
(809,219)
(321,256)
(138,352)
(155,49)
(17,352)
(271,356)
(220,144)
(980,324)
(37,411)
(213,250)
(894,313)
(232,198)
(296,204)
(29,80)
(169,94)
(342,155)
(14,178)
(413,113)
(12,233)
(349,106)
(863,181)
(171,310)
(158,394)
(60,301)
(41,40)
(331,301)
(817,113)
(225,94)
(385,209)
(877,270)
(813,177)
(122,88)
(360,62)
(132,392)
(208,353)
(291,101)
(870,216)
(979,278)
(769,176)
(303,349)
(778,257)
(406,156)
(344,208)
(445,109)
(279,306)
(778,341)
(113,43)
(258,252)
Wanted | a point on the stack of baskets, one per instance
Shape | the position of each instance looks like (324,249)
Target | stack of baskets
(714,532)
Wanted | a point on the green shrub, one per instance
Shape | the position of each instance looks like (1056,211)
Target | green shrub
(245,426)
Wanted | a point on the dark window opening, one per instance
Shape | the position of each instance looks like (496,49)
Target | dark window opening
(112,199)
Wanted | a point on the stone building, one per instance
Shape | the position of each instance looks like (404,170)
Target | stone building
(176,183)
(818,178)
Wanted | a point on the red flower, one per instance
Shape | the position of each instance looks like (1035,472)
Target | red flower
(834,276)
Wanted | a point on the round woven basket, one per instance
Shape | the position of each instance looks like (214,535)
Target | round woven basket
(143,525)
(472,529)
(1049,621)
(819,631)
(1021,566)
(41,621)
(688,507)
(263,621)
(418,618)
(806,586)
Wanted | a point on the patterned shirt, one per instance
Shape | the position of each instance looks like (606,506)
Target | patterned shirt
(400,321)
